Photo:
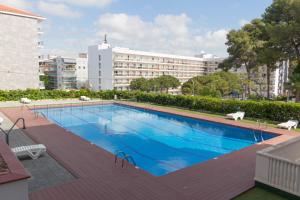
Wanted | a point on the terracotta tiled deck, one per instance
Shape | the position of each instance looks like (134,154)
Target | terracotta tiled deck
(98,177)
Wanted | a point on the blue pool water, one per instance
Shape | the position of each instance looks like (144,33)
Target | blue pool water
(159,143)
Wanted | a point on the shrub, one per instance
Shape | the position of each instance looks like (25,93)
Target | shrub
(270,110)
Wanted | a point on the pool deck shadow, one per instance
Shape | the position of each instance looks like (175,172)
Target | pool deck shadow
(97,177)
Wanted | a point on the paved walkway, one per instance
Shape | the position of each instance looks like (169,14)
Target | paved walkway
(45,171)
(98,177)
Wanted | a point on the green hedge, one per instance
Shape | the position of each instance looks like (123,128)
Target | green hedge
(15,95)
(270,110)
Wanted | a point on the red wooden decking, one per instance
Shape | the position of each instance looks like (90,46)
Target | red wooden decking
(98,177)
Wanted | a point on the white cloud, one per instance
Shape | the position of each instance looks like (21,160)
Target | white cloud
(165,33)
(21,4)
(57,9)
(98,3)
(243,22)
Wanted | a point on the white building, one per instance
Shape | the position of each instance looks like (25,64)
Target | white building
(82,71)
(65,73)
(114,68)
(19,48)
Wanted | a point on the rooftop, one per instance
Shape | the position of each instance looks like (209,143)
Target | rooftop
(18,12)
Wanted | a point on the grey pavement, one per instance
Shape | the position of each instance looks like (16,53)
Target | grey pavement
(45,171)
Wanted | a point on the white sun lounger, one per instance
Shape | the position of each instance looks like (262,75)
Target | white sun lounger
(25,100)
(33,151)
(1,120)
(289,124)
(84,98)
(236,116)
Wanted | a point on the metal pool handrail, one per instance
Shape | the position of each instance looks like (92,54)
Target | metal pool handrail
(7,133)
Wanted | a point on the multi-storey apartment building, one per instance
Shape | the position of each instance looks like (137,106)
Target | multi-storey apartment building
(61,72)
(19,46)
(65,73)
(114,68)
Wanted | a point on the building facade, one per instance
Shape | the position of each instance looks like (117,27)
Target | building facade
(19,48)
(65,73)
(258,76)
(82,71)
(114,68)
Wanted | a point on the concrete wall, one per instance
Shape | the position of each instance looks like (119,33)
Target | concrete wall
(18,52)
(14,191)
(100,61)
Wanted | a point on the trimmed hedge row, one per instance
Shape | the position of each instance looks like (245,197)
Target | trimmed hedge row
(15,95)
(270,110)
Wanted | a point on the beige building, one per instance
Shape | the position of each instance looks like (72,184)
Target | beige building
(19,48)
(114,68)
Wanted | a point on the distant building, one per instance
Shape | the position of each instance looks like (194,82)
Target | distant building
(19,48)
(258,76)
(65,73)
(114,68)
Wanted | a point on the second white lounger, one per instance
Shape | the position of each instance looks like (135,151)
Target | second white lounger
(289,124)
(236,116)
(33,151)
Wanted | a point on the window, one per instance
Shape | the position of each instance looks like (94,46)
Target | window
(99,73)
(99,57)
(99,65)
(83,67)
(99,80)
(78,67)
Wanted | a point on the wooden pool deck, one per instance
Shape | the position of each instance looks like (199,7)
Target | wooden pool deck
(97,177)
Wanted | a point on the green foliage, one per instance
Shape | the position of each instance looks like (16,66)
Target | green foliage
(216,85)
(161,83)
(283,26)
(141,84)
(15,95)
(270,110)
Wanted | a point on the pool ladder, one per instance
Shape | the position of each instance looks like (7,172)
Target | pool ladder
(260,127)
(124,157)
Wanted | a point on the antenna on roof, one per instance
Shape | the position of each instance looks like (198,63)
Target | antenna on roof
(105,39)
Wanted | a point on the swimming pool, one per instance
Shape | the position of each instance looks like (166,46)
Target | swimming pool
(159,143)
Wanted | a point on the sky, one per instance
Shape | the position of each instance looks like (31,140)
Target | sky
(184,27)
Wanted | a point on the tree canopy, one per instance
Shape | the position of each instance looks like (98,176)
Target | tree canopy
(216,85)
(161,83)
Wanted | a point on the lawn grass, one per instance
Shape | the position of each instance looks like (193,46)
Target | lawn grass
(259,193)
(245,120)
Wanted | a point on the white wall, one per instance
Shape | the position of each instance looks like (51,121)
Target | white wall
(19,67)
(82,72)
(100,60)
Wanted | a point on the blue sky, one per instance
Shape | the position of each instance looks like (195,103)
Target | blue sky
(172,26)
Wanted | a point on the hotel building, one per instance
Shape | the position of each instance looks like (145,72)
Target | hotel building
(114,68)
(19,48)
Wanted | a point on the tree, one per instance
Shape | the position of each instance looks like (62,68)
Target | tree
(166,82)
(216,85)
(268,53)
(283,26)
(242,48)
(141,84)
(46,80)
(160,83)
